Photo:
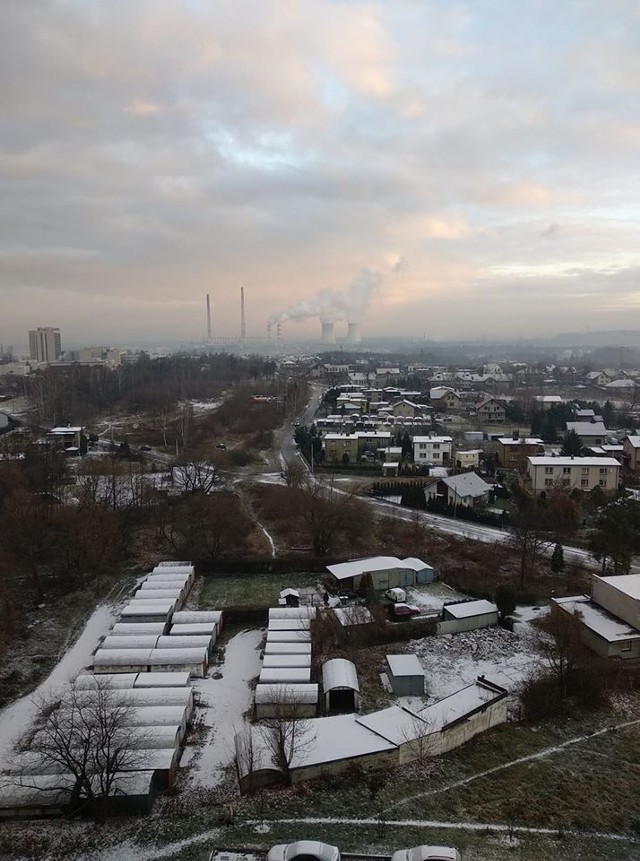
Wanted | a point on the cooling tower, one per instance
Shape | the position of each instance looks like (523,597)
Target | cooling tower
(328,336)
(353,333)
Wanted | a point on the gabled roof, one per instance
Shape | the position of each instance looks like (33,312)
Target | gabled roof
(467,484)
(587,428)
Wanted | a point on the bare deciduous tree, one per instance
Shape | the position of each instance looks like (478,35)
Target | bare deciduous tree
(287,734)
(85,736)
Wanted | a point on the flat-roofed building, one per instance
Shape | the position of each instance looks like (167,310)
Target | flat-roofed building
(574,473)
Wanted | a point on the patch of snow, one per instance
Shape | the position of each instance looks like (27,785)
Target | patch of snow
(222,703)
(18,717)
(432,596)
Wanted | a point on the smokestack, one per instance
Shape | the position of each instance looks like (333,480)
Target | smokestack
(327,336)
(243,328)
(278,335)
(208,318)
(269,331)
(353,333)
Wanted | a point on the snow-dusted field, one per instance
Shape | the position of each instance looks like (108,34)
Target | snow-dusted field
(16,719)
(223,702)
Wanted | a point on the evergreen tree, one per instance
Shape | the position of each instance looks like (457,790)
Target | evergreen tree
(571,445)
(557,559)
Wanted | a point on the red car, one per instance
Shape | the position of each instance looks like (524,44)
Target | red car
(404,611)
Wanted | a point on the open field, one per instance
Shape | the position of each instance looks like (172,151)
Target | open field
(249,591)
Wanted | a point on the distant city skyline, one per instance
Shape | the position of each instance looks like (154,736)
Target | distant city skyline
(456,169)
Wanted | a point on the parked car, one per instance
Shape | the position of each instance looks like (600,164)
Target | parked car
(427,853)
(304,850)
(396,594)
(221,446)
(402,611)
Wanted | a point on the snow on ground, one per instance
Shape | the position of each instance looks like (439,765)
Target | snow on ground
(223,702)
(453,661)
(18,717)
(432,596)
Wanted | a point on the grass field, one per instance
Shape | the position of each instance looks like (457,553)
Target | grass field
(249,591)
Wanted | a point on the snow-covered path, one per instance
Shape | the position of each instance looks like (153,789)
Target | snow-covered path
(223,701)
(18,717)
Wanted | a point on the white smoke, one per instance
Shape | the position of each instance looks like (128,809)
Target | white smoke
(333,305)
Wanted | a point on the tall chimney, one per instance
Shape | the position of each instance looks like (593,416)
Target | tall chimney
(243,328)
(269,331)
(353,333)
(327,336)
(208,318)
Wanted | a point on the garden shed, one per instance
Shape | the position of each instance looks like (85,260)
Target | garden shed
(405,675)
(340,687)
(277,700)
(288,648)
(292,613)
(189,617)
(147,611)
(289,624)
(288,636)
(276,661)
(171,641)
(467,616)
(194,661)
(136,629)
(284,675)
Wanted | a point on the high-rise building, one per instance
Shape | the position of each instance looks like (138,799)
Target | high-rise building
(44,344)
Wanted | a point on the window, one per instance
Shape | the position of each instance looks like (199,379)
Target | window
(422,445)
(603,482)
(436,445)
(603,470)
(585,470)
(626,646)
(566,482)
(548,470)
(548,482)
(566,470)
(584,482)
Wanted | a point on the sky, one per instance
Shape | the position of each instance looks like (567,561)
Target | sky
(419,167)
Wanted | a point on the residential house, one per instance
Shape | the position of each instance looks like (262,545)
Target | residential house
(491,411)
(373,440)
(512,452)
(545,402)
(467,488)
(445,399)
(601,378)
(407,409)
(631,452)
(432,449)
(574,473)
(610,621)
(590,433)
(67,437)
(337,445)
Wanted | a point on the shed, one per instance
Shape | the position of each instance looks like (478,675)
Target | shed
(163,762)
(160,716)
(196,629)
(162,680)
(171,641)
(299,700)
(147,611)
(194,661)
(289,624)
(173,595)
(160,697)
(144,641)
(136,629)
(115,681)
(182,617)
(149,737)
(276,661)
(405,675)
(285,675)
(161,585)
(288,637)
(121,660)
(340,686)
(292,613)
(172,569)
(289,598)
(467,616)
(380,573)
(287,649)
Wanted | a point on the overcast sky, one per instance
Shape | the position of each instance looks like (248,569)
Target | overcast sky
(427,167)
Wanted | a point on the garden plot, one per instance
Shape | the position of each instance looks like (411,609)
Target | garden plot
(453,661)
(431,597)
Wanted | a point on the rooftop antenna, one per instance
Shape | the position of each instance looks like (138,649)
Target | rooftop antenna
(243,327)
(208,318)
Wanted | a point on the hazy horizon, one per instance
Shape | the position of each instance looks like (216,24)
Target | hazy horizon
(451,170)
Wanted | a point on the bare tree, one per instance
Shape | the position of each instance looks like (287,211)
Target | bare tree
(85,736)
(561,645)
(195,476)
(419,737)
(288,734)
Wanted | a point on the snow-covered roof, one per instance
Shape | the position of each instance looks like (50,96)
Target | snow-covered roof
(148,608)
(162,584)
(157,594)
(289,593)
(404,665)
(137,629)
(621,384)
(290,693)
(436,439)
(344,570)
(461,703)
(287,648)
(142,641)
(190,641)
(467,484)
(114,681)
(193,629)
(634,441)
(628,584)
(292,613)
(573,461)
(274,661)
(162,680)
(158,657)
(609,627)
(289,624)
(121,657)
(60,431)
(587,428)
(339,673)
(466,609)
(396,724)
(529,440)
(284,675)
(182,617)
(288,637)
